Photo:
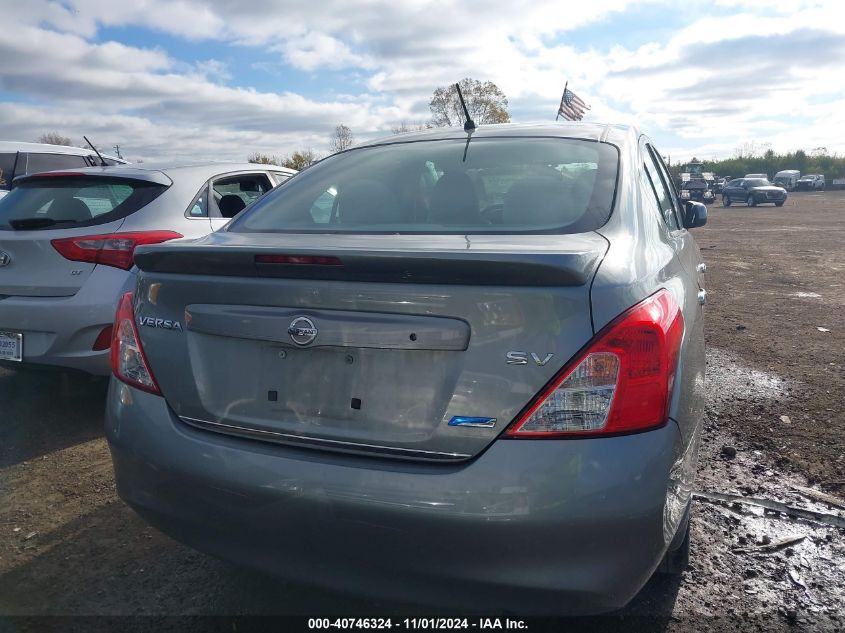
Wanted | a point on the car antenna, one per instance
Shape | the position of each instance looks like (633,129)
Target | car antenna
(102,162)
(469,124)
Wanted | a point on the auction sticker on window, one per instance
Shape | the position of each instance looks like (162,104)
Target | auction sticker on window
(11,346)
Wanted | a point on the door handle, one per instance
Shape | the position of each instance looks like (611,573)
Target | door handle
(702,267)
(702,296)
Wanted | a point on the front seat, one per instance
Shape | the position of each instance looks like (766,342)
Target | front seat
(454,201)
(230,205)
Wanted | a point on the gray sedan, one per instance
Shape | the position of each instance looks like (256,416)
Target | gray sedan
(67,240)
(464,370)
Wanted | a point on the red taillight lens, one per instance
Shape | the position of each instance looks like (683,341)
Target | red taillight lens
(299,260)
(620,383)
(128,362)
(112,249)
(103,340)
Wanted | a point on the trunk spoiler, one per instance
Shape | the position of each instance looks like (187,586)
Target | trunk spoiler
(554,266)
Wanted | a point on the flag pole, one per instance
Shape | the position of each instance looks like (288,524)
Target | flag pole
(565,86)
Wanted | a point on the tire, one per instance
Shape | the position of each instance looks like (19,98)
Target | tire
(778,204)
(726,201)
(676,559)
(750,201)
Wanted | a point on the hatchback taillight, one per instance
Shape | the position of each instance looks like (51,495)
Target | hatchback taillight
(620,383)
(111,249)
(128,362)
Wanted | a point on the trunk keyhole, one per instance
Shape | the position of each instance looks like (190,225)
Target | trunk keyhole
(356,403)
(413,337)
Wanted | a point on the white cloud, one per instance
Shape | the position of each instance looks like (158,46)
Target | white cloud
(746,70)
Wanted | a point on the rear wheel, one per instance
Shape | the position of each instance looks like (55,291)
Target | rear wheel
(726,201)
(751,202)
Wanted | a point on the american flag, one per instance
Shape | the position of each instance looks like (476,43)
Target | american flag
(572,107)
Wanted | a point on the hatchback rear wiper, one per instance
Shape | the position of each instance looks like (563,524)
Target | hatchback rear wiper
(22,224)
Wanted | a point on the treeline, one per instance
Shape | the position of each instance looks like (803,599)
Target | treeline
(819,162)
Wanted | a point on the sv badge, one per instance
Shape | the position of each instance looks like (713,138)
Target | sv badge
(521,358)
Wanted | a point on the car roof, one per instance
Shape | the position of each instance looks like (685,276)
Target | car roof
(46,148)
(161,173)
(612,133)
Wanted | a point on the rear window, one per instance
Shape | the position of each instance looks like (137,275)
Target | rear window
(45,203)
(488,185)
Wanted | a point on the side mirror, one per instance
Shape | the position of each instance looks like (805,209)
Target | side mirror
(695,214)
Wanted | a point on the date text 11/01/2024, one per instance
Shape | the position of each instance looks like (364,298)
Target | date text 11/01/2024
(417,623)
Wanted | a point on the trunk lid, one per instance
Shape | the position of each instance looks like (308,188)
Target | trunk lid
(376,354)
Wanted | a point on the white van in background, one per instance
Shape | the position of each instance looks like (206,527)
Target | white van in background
(17,159)
(787,179)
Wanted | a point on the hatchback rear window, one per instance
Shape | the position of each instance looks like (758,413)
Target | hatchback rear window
(485,185)
(45,203)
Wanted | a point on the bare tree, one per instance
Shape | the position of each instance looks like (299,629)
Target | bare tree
(300,159)
(404,126)
(263,159)
(341,139)
(54,138)
(485,102)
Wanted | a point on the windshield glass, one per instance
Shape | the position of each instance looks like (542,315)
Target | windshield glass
(493,185)
(43,203)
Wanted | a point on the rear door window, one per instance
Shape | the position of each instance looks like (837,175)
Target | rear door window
(660,189)
(481,185)
(50,162)
(50,202)
(231,194)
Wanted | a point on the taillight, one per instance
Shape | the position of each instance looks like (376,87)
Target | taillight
(112,249)
(128,362)
(620,383)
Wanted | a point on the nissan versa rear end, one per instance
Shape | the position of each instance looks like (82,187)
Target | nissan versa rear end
(460,370)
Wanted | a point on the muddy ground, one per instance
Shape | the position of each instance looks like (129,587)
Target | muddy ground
(774,426)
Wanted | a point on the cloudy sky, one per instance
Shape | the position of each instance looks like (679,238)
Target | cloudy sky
(223,78)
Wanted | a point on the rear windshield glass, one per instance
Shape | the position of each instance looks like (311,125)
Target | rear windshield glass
(489,185)
(65,202)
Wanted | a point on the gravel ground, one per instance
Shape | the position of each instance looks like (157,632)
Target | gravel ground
(774,427)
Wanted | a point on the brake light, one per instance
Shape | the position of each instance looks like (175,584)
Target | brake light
(620,383)
(112,249)
(128,362)
(299,260)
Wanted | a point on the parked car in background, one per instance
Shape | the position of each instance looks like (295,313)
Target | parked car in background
(696,189)
(719,184)
(67,240)
(19,159)
(787,179)
(482,367)
(753,191)
(810,182)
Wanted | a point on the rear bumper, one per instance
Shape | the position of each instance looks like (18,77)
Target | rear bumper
(61,331)
(530,526)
